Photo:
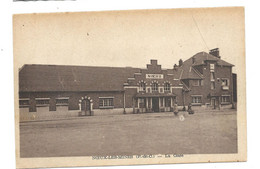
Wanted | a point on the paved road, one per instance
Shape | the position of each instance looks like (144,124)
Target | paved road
(133,134)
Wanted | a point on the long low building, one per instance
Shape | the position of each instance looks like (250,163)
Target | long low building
(202,80)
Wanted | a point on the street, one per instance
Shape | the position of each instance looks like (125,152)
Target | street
(131,134)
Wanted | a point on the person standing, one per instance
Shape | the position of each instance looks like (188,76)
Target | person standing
(190,111)
(175,109)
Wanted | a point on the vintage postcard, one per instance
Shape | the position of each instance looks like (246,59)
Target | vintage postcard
(130,87)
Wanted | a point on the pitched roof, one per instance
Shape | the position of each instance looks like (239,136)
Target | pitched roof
(73,78)
(190,72)
(201,57)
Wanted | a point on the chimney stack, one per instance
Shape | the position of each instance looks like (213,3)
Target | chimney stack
(214,52)
(153,62)
(175,67)
(180,62)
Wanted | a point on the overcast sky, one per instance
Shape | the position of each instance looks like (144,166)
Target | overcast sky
(127,38)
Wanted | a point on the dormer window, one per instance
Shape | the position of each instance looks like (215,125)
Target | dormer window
(167,87)
(154,87)
(142,86)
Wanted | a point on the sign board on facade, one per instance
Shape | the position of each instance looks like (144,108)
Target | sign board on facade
(154,76)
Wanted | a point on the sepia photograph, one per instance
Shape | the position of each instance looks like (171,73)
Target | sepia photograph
(129,87)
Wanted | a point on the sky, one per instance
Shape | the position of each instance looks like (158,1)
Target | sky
(128,38)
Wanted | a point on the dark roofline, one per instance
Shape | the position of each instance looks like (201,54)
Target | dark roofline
(77,91)
(78,66)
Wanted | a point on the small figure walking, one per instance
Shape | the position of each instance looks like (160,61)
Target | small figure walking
(175,109)
(190,111)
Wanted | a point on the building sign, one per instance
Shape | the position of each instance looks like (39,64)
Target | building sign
(154,76)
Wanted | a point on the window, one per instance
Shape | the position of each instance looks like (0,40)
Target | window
(154,87)
(161,90)
(142,86)
(141,103)
(212,76)
(167,87)
(62,101)
(196,99)
(201,82)
(225,99)
(212,85)
(224,82)
(167,102)
(24,102)
(42,101)
(212,66)
(197,82)
(161,101)
(106,102)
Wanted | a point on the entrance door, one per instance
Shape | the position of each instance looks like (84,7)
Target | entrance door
(155,104)
(85,107)
(213,102)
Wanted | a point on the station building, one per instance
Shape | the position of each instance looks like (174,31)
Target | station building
(202,80)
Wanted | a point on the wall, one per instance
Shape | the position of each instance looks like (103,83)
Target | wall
(205,90)
(74,98)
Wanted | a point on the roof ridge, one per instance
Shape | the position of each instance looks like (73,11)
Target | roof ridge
(79,66)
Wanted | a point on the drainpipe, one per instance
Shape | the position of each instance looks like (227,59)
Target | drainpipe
(124,103)
(183,99)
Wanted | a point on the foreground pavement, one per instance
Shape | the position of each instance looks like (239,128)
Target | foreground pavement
(132,134)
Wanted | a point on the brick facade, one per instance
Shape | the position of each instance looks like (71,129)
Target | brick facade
(204,79)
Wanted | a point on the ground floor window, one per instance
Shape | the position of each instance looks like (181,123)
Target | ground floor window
(24,102)
(106,102)
(196,99)
(167,102)
(141,103)
(161,101)
(225,99)
(42,101)
(62,101)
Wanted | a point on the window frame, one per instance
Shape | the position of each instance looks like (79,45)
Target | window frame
(24,100)
(141,103)
(214,85)
(155,86)
(195,82)
(106,102)
(198,99)
(45,102)
(60,103)
(212,66)
(227,80)
(167,87)
(226,96)
(212,76)
(142,87)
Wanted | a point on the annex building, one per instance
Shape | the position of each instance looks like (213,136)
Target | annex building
(202,80)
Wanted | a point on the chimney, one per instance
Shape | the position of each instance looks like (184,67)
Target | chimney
(175,67)
(180,62)
(153,62)
(214,52)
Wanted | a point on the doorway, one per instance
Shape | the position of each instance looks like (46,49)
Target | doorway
(213,102)
(155,101)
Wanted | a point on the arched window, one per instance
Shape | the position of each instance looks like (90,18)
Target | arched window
(167,87)
(142,86)
(154,87)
